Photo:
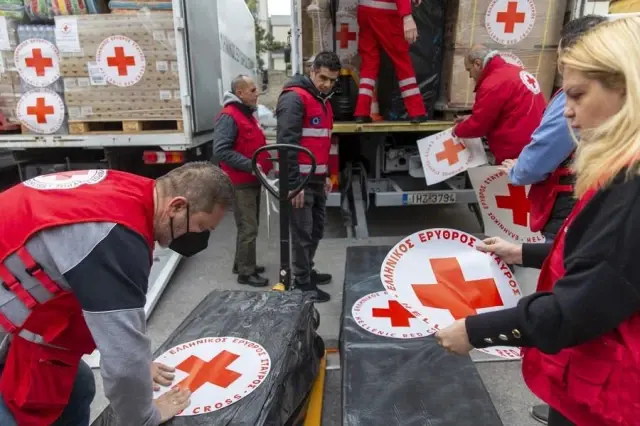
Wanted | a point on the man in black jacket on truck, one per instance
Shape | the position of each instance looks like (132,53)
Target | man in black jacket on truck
(305,118)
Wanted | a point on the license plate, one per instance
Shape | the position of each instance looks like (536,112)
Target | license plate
(434,197)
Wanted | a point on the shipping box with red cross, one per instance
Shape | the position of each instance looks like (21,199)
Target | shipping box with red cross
(9,77)
(126,69)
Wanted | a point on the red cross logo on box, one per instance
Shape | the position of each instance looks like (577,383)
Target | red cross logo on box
(511,17)
(510,21)
(40,110)
(37,61)
(121,60)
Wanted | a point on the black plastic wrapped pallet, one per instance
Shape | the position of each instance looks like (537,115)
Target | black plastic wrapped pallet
(409,382)
(285,324)
(426,55)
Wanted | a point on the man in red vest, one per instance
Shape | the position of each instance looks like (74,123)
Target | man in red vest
(236,138)
(75,257)
(305,118)
(508,106)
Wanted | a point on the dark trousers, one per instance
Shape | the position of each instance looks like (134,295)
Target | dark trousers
(246,210)
(307,229)
(557,419)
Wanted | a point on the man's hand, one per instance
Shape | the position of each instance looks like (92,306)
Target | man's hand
(162,375)
(507,165)
(328,185)
(298,200)
(172,403)
(454,338)
(410,29)
(509,252)
(460,118)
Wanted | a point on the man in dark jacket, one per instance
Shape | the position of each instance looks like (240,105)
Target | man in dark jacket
(236,138)
(305,118)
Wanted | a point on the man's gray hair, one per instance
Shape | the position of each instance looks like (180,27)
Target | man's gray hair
(201,183)
(238,82)
(478,53)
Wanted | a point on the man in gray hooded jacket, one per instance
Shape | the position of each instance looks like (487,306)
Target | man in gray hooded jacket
(236,138)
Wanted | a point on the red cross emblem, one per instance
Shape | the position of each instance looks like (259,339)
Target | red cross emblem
(398,315)
(344,36)
(40,110)
(121,61)
(450,152)
(70,174)
(511,17)
(454,293)
(214,371)
(517,202)
(38,62)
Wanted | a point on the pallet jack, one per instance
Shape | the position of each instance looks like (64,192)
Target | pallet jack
(311,415)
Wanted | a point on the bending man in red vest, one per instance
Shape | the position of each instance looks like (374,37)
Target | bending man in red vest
(305,118)
(508,106)
(387,25)
(75,257)
(236,138)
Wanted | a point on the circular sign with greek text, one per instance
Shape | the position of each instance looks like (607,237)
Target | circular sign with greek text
(121,60)
(66,180)
(384,316)
(439,276)
(38,62)
(510,21)
(41,111)
(219,371)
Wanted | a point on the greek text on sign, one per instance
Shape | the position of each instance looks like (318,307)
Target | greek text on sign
(530,82)
(510,21)
(505,207)
(41,111)
(384,316)
(219,371)
(66,180)
(38,62)
(440,277)
(121,60)
(444,156)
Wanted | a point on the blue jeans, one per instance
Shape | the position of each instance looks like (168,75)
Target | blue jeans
(77,411)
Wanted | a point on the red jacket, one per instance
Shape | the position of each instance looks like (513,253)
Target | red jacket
(400,7)
(508,108)
(249,138)
(37,379)
(593,384)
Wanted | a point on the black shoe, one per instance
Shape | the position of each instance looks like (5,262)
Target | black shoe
(540,413)
(320,279)
(259,269)
(418,119)
(254,280)
(314,293)
(362,120)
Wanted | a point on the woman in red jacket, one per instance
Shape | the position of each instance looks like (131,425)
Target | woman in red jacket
(580,332)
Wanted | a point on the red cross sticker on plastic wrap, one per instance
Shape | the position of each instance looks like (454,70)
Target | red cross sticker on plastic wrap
(38,62)
(396,313)
(215,371)
(511,17)
(450,152)
(121,60)
(40,110)
(518,202)
(510,21)
(344,36)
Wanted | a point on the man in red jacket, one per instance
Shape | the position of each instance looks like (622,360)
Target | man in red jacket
(508,107)
(236,138)
(75,257)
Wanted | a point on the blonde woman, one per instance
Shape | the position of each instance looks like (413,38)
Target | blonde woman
(581,330)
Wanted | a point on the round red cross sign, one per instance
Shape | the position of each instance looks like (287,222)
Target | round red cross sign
(121,60)
(38,62)
(385,316)
(41,111)
(510,21)
(219,371)
(530,82)
(439,276)
(66,180)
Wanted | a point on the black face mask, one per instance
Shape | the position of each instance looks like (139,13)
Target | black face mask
(189,243)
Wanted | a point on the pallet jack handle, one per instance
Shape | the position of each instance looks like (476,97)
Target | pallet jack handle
(284,196)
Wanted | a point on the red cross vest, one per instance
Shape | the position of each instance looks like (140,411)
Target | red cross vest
(543,195)
(249,138)
(593,384)
(316,131)
(47,347)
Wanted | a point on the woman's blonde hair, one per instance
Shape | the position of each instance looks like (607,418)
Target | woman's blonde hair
(610,54)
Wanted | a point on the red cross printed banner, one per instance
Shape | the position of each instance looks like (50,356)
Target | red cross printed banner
(510,21)
(506,209)
(41,111)
(382,315)
(38,62)
(444,156)
(219,371)
(121,60)
(439,276)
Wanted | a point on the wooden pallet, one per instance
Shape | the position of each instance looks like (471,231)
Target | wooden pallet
(125,126)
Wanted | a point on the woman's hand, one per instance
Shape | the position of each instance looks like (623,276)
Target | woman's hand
(509,252)
(454,338)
